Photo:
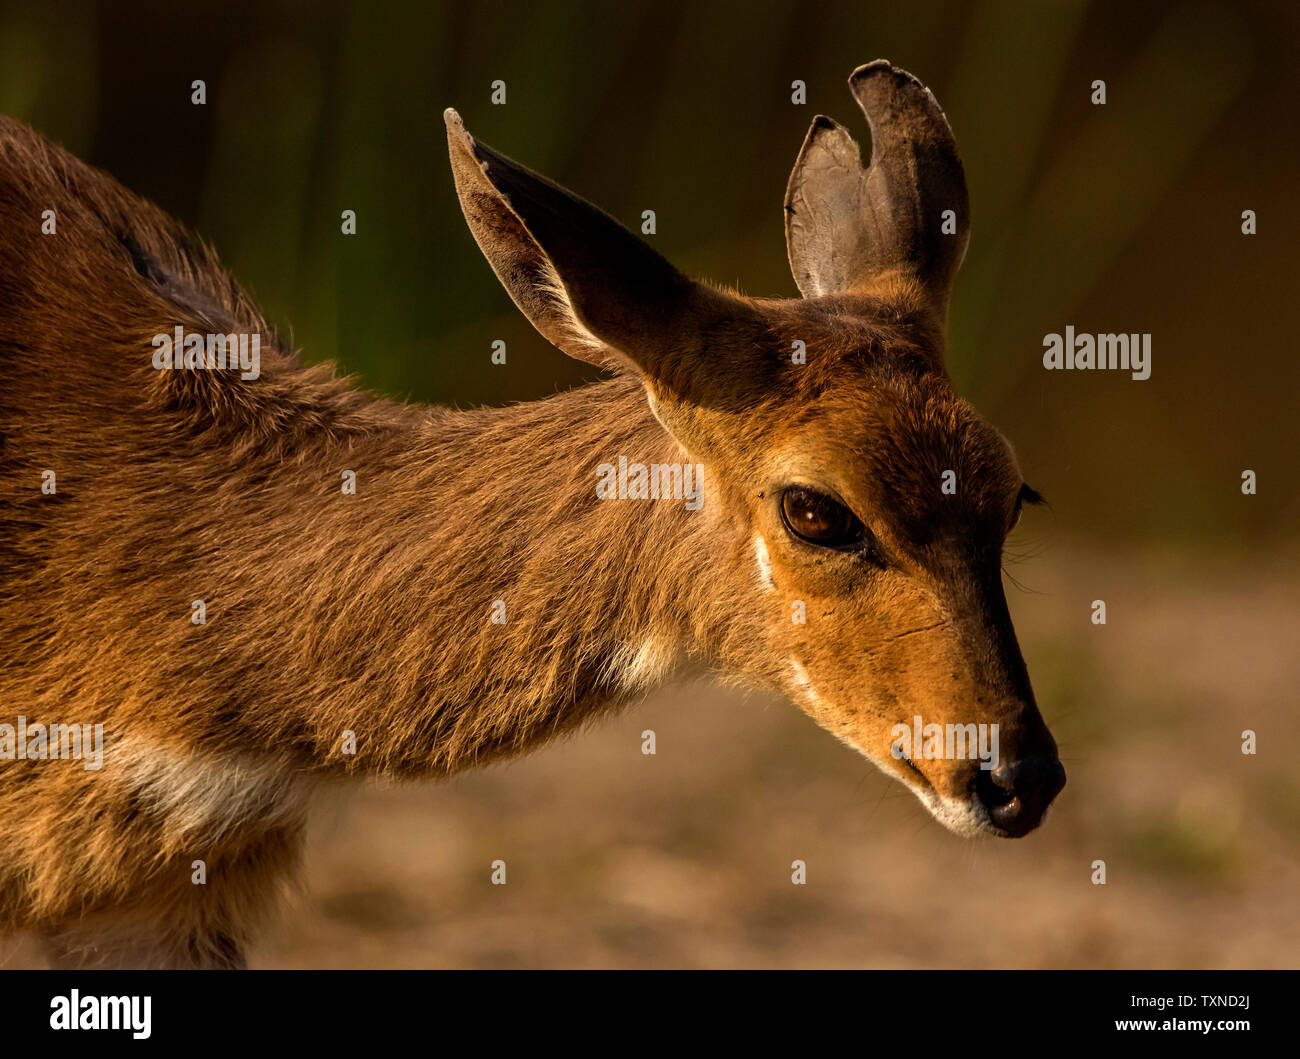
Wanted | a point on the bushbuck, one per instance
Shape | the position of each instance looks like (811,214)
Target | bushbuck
(258,581)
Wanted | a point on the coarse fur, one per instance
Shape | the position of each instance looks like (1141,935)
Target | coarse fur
(332,615)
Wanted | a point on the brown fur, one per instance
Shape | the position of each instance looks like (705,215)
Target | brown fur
(330,613)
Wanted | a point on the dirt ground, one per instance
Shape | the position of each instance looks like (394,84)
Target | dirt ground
(683,859)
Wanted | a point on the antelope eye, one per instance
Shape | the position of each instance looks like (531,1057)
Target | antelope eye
(816,518)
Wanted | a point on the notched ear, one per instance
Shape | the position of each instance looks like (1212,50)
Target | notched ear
(590,286)
(907,212)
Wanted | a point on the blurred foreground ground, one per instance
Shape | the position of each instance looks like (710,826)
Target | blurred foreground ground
(683,859)
(616,859)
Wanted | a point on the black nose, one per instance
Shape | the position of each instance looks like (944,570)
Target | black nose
(1017,793)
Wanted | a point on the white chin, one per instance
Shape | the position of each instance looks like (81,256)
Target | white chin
(970,820)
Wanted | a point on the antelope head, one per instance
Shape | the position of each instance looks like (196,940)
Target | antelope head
(864,496)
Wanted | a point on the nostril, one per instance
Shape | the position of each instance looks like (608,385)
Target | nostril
(1017,793)
(994,787)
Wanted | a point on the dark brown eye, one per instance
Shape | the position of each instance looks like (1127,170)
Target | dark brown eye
(816,518)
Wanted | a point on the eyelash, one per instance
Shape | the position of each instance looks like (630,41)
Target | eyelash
(1027,495)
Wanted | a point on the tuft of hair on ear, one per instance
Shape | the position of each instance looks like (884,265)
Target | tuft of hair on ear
(567,320)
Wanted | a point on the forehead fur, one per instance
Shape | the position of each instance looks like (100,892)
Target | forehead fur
(874,389)
(910,433)
(850,336)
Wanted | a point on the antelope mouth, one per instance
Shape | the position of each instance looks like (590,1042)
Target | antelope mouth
(966,817)
(916,771)
(987,808)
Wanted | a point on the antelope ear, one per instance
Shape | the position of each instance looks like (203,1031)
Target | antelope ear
(590,286)
(907,212)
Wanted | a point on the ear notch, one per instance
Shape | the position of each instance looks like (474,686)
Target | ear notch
(847,225)
(590,286)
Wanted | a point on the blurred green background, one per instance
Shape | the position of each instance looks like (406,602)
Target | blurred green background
(1124,217)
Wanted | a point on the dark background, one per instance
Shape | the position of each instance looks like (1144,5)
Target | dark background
(1117,218)
(1124,217)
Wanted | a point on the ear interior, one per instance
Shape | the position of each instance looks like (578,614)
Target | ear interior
(906,213)
(824,205)
(586,283)
(602,295)
(916,169)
